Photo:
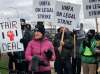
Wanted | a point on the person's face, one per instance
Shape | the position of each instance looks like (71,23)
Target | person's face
(90,35)
(23,27)
(61,30)
(38,35)
(65,30)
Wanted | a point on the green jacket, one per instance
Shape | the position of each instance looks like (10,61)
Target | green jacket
(84,50)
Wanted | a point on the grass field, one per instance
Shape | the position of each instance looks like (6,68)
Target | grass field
(3,65)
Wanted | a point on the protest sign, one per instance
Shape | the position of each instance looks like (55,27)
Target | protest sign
(10,35)
(91,8)
(67,13)
(43,10)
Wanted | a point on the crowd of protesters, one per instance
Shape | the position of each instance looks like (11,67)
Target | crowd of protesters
(71,51)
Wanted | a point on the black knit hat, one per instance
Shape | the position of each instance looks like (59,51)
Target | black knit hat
(92,31)
(40,28)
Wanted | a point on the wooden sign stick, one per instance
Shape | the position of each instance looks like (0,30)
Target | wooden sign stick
(74,45)
(62,39)
(97,25)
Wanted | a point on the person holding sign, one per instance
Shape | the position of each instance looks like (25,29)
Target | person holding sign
(97,37)
(88,55)
(40,51)
(79,36)
(22,64)
(63,50)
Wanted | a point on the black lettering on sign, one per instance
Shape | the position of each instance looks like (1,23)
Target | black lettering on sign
(88,7)
(14,45)
(11,46)
(69,15)
(8,25)
(1,24)
(58,13)
(67,8)
(93,13)
(43,9)
(43,16)
(96,6)
(3,35)
(47,9)
(37,9)
(44,3)
(18,44)
(14,24)
(91,1)
(63,21)
(16,33)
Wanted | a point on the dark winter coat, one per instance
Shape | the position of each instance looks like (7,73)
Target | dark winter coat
(67,48)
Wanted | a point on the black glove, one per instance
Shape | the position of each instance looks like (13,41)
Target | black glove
(10,54)
(84,43)
(49,54)
(42,63)
(36,60)
(35,63)
(21,40)
(74,32)
(89,44)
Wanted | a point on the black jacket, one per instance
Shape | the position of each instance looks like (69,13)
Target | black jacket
(68,46)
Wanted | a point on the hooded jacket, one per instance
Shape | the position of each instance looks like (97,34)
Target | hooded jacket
(67,48)
(37,48)
(88,59)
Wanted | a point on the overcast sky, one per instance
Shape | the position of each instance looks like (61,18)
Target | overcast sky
(23,8)
(19,8)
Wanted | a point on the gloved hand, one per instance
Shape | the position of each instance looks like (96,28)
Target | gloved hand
(84,44)
(21,40)
(42,63)
(89,44)
(35,63)
(49,54)
(74,31)
(35,58)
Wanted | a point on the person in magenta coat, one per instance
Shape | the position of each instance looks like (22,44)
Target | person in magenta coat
(40,51)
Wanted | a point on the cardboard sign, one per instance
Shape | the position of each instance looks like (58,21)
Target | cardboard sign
(91,8)
(43,10)
(10,35)
(67,13)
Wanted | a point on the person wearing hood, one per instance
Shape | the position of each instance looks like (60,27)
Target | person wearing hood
(14,57)
(40,51)
(88,54)
(97,37)
(79,35)
(62,63)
